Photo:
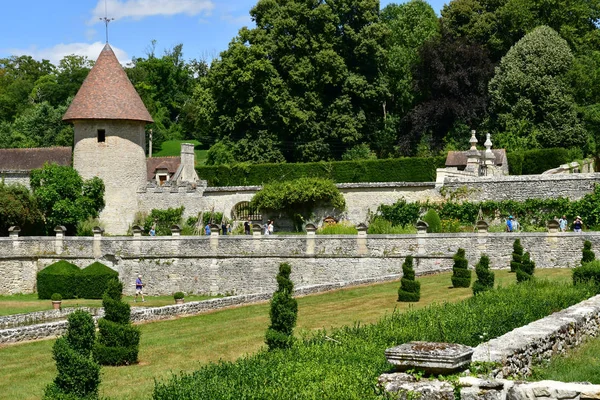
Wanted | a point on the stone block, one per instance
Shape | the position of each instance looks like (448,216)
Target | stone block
(433,358)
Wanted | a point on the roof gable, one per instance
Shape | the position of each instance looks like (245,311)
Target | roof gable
(28,159)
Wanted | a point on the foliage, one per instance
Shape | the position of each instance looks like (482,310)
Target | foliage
(18,207)
(587,273)
(433,221)
(56,297)
(164,219)
(461,275)
(314,365)
(220,153)
(86,227)
(525,272)
(283,312)
(485,277)
(60,277)
(517,256)
(587,253)
(93,280)
(530,103)
(64,198)
(400,213)
(381,226)
(78,374)
(359,152)
(118,340)
(537,161)
(341,228)
(388,170)
(178,295)
(410,289)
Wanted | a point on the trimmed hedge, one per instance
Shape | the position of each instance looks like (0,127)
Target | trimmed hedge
(283,312)
(525,272)
(410,289)
(93,280)
(461,276)
(517,256)
(587,273)
(485,277)
(433,221)
(587,255)
(413,169)
(61,277)
(533,162)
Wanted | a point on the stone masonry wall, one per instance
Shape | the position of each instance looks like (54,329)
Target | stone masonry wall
(246,264)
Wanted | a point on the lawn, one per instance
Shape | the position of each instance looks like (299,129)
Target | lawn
(185,343)
(577,365)
(173,148)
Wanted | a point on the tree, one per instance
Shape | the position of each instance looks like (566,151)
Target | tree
(485,277)
(461,276)
(525,272)
(118,340)
(517,256)
(410,289)
(587,253)
(530,102)
(434,224)
(78,373)
(283,312)
(64,198)
(18,207)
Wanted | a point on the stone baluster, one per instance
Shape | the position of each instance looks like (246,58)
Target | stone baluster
(482,226)
(175,230)
(60,235)
(311,231)
(137,231)
(361,239)
(98,231)
(13,232)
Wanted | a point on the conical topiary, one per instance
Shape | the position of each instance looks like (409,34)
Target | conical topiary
(485,277)
(283,313)
(525,273)
(587,253)
(461,276)
(517,255)
(410,289)
(433,221)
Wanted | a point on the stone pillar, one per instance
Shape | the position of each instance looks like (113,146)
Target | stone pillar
(552,226)
(422,227)
(361,240)
(188,161)
(175,230)
(214,237)
(137,231)
(489,157)
(60,234)
(482,226)
(13,232)
(311,231)
(96,243)
(256,231)
(473,156)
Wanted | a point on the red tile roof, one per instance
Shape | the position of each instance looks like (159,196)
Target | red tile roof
(107,93)
(28,159)
(459,158)
(169,163)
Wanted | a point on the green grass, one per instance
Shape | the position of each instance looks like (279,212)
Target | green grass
(171,148)
(577,365)
(24,303)
(184,344)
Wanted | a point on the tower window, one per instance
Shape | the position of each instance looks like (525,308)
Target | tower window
(101,135)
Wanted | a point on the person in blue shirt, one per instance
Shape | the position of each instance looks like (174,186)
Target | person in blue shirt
(139,289)
(509,224)
(207,229)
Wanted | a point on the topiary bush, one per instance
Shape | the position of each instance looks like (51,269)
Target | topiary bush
(283,312)
(485,277)
(61,277)
(517,256)
(93,280)
(433,220)
(118,340)
(587,255)
(78,374)
(525,272)
(410,289)
(587,273)
(461,276)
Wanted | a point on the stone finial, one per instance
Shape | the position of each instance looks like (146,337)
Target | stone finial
(175,230)
(422,227)
(362,229)
(214,230)
(489,155)
(60,231)
(473,141)
(552,226)
(482,226)
(13,231)
(137,230)
(97,230)
(433,358)
(311,229)
(473,156)
(256,230)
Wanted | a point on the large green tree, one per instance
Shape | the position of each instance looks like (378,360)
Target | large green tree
(531,104)
(17,207)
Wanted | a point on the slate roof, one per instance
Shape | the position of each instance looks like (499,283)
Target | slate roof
(107,93)
(459,158)
(28,159)
(169,163)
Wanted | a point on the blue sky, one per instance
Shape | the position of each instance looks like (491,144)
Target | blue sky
(51,29)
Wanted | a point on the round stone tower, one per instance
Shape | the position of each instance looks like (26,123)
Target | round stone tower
(109,119)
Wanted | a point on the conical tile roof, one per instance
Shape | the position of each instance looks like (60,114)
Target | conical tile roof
(107,93)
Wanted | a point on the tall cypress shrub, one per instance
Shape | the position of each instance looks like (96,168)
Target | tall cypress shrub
(525,272)
(433,221)
(587,255)
(78,373)
(118,340)
(517,255)
(461,276)
(283,313)
(485,277)
(410,289)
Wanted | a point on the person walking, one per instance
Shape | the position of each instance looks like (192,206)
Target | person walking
(139,289)
(509,224)
(247,227)
(207,229)
(271,227)
(562,223)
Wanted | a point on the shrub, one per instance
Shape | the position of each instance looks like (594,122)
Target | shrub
(93,280)
(341,228)
(525,272)
(400,213)
(380,226)
(178,295)
(283,313)
(56,297)
(118,340)
(517,256)
(164,220)
(587,253)
(410,289)
(461,276)
(78,374)
(485,277)
(61,277)
(433,220)
(588,273)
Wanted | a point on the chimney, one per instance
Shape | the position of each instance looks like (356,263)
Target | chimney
(188,164)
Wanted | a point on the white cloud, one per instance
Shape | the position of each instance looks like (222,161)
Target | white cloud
(58,52)
(138,9)
(241,20)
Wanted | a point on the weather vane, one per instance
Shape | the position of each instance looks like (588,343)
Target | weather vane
(106,20)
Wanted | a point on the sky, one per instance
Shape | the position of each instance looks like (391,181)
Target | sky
(52,29)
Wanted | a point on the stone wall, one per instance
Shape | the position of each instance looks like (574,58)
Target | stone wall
(246,264)
(15,177)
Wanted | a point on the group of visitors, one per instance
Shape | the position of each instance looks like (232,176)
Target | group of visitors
(268,227)
(512,225)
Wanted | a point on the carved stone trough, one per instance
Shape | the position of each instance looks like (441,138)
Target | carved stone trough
(432,358)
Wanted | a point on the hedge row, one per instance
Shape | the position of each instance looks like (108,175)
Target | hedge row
(532,162)
(71,282)
(388,170)
(344,363)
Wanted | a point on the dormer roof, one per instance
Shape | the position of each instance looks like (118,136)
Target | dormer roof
(107,93)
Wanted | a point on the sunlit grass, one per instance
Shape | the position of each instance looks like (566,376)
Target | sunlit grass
(172,148)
